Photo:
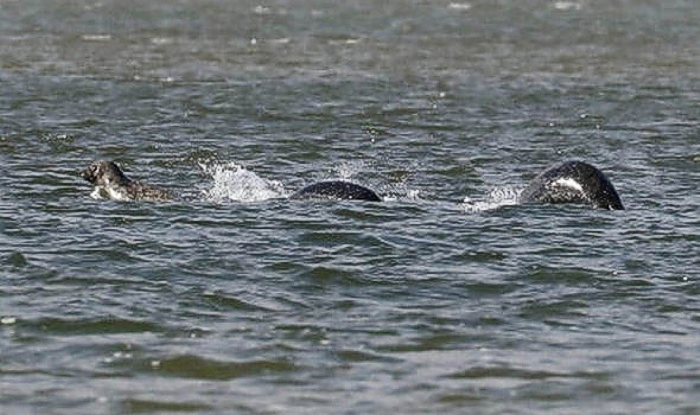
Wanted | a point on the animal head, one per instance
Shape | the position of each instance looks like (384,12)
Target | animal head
(103,173)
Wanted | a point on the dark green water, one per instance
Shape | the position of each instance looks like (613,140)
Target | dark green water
(445,298)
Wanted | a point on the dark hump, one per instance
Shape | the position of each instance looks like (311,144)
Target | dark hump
(337,189)
(572,182)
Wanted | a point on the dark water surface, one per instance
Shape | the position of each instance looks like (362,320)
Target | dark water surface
(444,298)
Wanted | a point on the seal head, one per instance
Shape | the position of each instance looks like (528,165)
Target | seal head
(105,173)
(111,183)
(572,182)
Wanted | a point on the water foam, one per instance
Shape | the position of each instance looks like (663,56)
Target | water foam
(232,182)
(399,192)
(494,199)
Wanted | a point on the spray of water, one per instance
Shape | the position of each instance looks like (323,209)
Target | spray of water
(494,199)
(231,182)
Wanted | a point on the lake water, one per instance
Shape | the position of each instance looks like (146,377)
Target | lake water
(444,298)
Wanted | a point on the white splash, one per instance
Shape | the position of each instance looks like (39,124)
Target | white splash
(8,320)
(96,37)
(567,5)
(396,193)
(232,182)
(494,199)
(459,6)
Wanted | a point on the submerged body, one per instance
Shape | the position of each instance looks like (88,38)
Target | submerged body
(111,183)
(338,190)
(572,182)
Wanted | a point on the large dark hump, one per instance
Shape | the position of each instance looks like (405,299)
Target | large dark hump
(572,182)
(337,189)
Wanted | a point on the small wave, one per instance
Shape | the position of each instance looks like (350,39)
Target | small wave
(198,367)
(236,183)
(494,199)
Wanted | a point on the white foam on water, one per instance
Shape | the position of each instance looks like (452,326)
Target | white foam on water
(8,320)
(459,6)
(231,182)
(393,194)
(494,199)
(567,5)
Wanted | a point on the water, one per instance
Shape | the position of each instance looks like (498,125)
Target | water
(445,297)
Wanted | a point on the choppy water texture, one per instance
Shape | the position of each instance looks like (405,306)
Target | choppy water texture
(443,298)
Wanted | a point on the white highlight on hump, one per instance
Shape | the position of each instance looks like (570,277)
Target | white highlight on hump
(568,182)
